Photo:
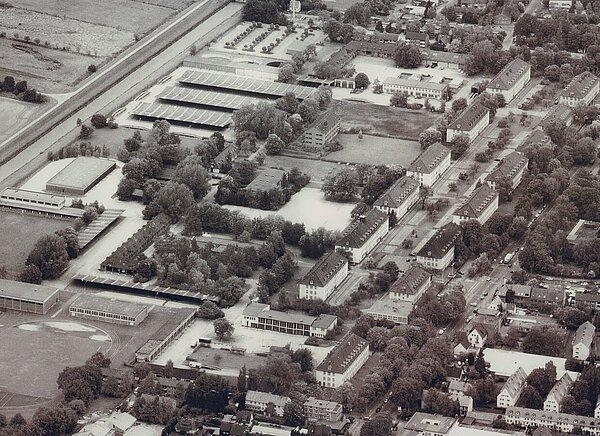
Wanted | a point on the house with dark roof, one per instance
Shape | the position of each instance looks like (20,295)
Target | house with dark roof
(582,341)
(371,48)
(324,277)
(343,362)
(480,206)
(430,165)
(582,89)
(322,131)
(266,180)
(363,234)
(411,285)
(399,198)
(511,79)
(511,167)
(461,344)
(385,38)
(478,335)
(419,38)
(511,391)
(559,113)
(587,299)
(471,122)
(557,393)
(438,251)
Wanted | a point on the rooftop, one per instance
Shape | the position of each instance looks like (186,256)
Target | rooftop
(266,180)
(425,422)
(515,382)
(410,281)
(430,159)
(470,117)
(316,402)
(477,202)
(324,321)
(398,192)
(260,310)
(441,242)
(26,291)
(386,306)
(109,305)
(510,74)
(417,36)
(361,229)
(324,270)
(266,398)
(325,123)
(421,84)
(35,196)
(585,334)
(561,387)
(580,86)
(551,417)
(81,172)
(346,352)
(509,166)
(506,362)
(444,56)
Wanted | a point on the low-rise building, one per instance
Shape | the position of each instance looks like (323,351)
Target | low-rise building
(89,306)
(27,297)
(363,234)
(322,410)
(438,251)
(38,203)
(343,362)
(177,322)
(81,175)
(399,198)
(266,180)
(429,425)
(470,123)
(511,391)
(557,393)
(430,165)
(390,310)
(444,59)
(370,48)
(260,316)
(480,206)
(511,79)
(587,299)
(582,89)
(418,38)
(561,422)
(582,341)
(411,285)
(266,403)
(511,167)
(474,4)
(324,277)
(415,88)
(322,131)
(559,113)
(461,344)
(560,5)
(582,230)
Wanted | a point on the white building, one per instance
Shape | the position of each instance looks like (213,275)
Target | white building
(557,393)
(583,89)
(511,80)
(324,277)
(480,206)
(363,234)
(582,341)
(323,131)
(511,167)
(561,422)
(322,410)
(560,5)
(343,362)
(477,335)
(411,285)
(438,251)
(430,165)
(511,391)
(415,88)
(390,310)
(399,197)
(470,123)
(266,403)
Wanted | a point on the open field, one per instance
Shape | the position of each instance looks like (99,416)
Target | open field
(16,114)
(385,120)
(376,150)
(339,5)
(18,234)
(316,169)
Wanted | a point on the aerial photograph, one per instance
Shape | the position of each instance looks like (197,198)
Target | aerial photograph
(299,217)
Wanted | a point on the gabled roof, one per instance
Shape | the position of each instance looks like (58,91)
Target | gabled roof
(444,56)
(266,398)
(398,192)
(343,355)
(509,75)
(324,270)
(430,159)
(325,123)
(482,329)
(440,243)
(411,281)
(478,201)
(509,166)
(417,36)
(560,388)
(515,382)
(580,85)
(462,339)
(362,228)
(470,117)
(585,334)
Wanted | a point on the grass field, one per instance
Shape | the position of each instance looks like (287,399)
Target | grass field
(17,114)
(376,150)
(18,234)
(385,120)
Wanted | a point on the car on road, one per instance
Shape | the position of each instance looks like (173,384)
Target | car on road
(451,276)
(488,279)
(378,410)
(441,331)
(486,293)
(469,319)
(473,304)
(367,418)
(481,297)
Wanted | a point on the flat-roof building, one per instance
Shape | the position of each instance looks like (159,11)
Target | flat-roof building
(266,180)
(81,175)
(343,362)
(37,203)
(324,277)
(26,297)
(165,335)
(480,206)
(438,251)
(90,306)
(399,197)
(390,310)
(414,88)
(265,402)
(511,79)
(582,89)
(322,410)
(427,424)
(363,234)
(430,165)
(511,167)
(444,59)
(411,285)
(470,123)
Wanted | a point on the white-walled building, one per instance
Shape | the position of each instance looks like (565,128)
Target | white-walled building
(264,402)
(511,80)
(363,234)
(511,391)
(582,89)
(411,285)
(562,422)
(324,277)
(560,5)
(438,251)
(322,131)
(480,206)
(478,335)
(414,88)
(470,123)
(322,410)
(343,362)
(399,197)
(430,165)
(390,310)
(557,393)
(582,341)
(511,167)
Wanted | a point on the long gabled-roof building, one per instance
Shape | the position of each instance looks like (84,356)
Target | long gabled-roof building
(511,391)
(583,339)
(480,206)
(324,277)
(470,123)
(363,234)
(343,362)
(511,167)
(511,80)
(411,285)
(399,197)
(430,165)
(438,251)
(582,89)
(557,393)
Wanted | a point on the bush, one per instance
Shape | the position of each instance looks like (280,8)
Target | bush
(92,68)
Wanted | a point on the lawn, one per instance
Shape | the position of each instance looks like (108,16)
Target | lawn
(18,234)
(16,115)
(375,150)
(385,120)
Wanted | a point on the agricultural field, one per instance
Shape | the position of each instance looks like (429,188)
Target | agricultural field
(17,114)
(375,150)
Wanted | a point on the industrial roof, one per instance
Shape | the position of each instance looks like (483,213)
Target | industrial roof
(324,270)
(108,305)
(26,291)
(182,114)
(203,97)
(82,172)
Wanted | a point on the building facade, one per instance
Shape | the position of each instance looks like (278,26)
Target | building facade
(343,362)
(430,165)
(324,277)
(511,167)
(322,131)
(557,393)
(561,422)
(480,206)
(583,89)
(438,251)
(399,198)
(363,234)
(27,297)
(411,285)
(415,88)
(264,402)
(470,123)
(511,391)
(511,80)
(582,341)
(89,306)
(322,410)
(390,310)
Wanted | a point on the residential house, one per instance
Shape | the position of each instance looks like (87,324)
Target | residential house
(511,79)
(385,38)
(561,422)
(502,20)
(232,428)
(430,165)
(399,198)
(266,403)
(224,159)
(582,341)
(343,362)
(415,88)
(557,393)
(419,38)
(478,334)
(444,59)
(363,234)
(480,206)
(587,299)
(266,180)
(511,167)
(465,403)
(462,344)
(457,387)
(582,89)
(411,285)
(322,410)
(471,122)
(322,131)
(511,391)
(324,277)
(438,251)
(369,48)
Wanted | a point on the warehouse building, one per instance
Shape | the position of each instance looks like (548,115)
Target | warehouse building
(26,297)
(108,310)
(80,176)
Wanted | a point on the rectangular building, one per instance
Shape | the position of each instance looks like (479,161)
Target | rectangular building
(511,391)
(90,306)
(38,203)
(559,113)
(266,180)
(438,251)
(582,341)
(444,59)
(322,410)
(165,335)
(411,285)
(561,422)
(324,277)
(264,402)
(557,393)
(370,48)
(430,165)
(26,297)
(363,235)
(81,175)
(582,89)
(587,299)
(390,310)
(470,123)
(399,198)
(480,206)
(511,79)
(414,88)
(429,425)
(511,167)
(560,5)
(418,38)
(343,362)
(322,131)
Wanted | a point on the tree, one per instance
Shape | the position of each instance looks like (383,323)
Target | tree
(286,73)
(8,85)
(288,103)
(174,199)
(531,399)
(459,104)
(99,360)
(20,87)
(191,173)
(308,110)
(274,145)
(341,186)
(264,11)
(459,143)
(55,420)
(209,310)
(361,81)
(542,379)
(484,391)
(86,131)
(223,328)
(408,56)
(49,255)
(261,119)
(399,99)
(82,383)
(381,425)
(31,274)
(424,193)
(99,121)
(126,188)
(333,29)
(429,137)
(293,414)
(545,341)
